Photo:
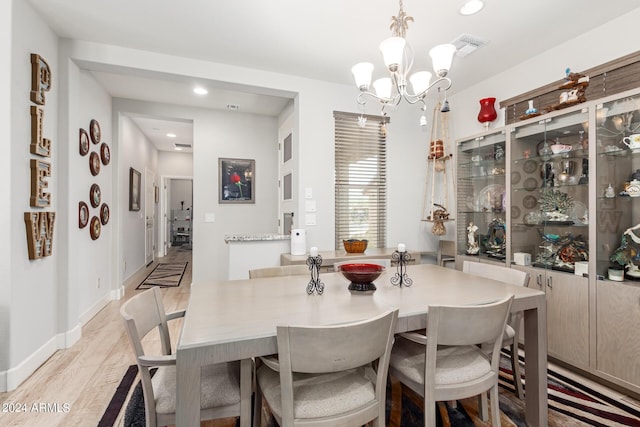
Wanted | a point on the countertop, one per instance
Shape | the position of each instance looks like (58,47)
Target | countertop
(255,237)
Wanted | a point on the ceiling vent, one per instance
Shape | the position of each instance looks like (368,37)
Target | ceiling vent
(180,145)
(467,44)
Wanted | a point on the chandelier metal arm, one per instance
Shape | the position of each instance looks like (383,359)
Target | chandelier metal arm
(413,98)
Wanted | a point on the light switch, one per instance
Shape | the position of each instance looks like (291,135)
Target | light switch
(209,217)
(310,219)
(310,206)
(308,193)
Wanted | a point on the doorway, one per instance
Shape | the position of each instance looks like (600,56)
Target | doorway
(177,229)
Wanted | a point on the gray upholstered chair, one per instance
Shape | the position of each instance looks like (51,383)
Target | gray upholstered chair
(512,331)
(328,375)
(285,270)
(221,391)
(450,364)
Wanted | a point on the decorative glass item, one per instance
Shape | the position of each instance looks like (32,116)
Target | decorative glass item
(609,193)
(531,109)
(487,112)
(472,242)
(628,254)
(496,242)
(556,206)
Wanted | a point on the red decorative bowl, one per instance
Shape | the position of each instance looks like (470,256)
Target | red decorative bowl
(361,275)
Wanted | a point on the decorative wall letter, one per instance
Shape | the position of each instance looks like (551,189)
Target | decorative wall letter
(39,233)
(40,78)
(40,145)
(39,171)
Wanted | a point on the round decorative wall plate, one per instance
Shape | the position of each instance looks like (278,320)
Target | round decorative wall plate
(105,153)
(530,184)
(84,142)
(94,229)
(94,163)
(530,166)
(94,129)
(529,202)
(104,214)
(83,214)
(94,195)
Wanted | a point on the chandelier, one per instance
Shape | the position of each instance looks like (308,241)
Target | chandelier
(398,58)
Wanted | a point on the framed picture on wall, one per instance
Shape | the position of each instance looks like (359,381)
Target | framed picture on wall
(135,181)
(236,180)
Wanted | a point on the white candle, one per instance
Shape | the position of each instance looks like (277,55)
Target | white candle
(401,247)
(313,251)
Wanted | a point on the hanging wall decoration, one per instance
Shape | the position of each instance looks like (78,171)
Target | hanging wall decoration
(83,214)
(437,161)
(84,142)
(39,225)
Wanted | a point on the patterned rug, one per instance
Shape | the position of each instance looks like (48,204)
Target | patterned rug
(169,274)
(571,404)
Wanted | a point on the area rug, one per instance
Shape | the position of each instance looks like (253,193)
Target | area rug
(571,404)
(164,274)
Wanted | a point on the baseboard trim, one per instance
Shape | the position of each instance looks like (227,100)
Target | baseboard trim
(16,376)
(93,310)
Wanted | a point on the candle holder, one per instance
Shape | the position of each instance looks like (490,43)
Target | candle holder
(401,277)
(315,285)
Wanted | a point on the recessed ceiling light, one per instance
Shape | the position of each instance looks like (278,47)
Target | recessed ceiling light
(171,135)
(198,90)
(471,7)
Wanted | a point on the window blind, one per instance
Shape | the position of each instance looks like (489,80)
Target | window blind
(360,179)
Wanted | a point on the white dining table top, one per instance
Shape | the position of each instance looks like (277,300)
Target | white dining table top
(237,310)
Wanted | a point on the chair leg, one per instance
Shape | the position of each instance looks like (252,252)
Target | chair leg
(483,407)
(515,368)
(495,406)
(429,412)
(395,414)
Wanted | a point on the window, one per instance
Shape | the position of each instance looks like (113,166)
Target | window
(360,179)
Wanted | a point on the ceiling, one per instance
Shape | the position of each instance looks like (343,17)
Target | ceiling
(316,39)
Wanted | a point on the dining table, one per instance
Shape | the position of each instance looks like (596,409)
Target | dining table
(233,320)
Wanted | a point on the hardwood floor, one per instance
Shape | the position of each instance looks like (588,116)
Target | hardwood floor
(78,383)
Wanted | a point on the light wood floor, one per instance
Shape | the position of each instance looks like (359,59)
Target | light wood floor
(86,375)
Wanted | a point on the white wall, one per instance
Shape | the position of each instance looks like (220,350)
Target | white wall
(181,191)
(33,286)
(175,164)
(134,151)
(5,187)
(90,270)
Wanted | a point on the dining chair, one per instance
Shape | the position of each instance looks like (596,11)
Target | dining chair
(284,270)
(225,387)
(327,376)
(446,252)
(512,331)
(450,364)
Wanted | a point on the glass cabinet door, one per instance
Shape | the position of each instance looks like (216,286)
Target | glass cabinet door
(481,197)
(618,190)
(550,192)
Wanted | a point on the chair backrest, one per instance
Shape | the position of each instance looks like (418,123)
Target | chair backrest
(496,272)
(285,270)
(141,314)
(324,349)
(446,251)
(385,262)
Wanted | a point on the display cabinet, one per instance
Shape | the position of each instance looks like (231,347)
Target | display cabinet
(572,223)
(481,194)
(617,194)
(549,224)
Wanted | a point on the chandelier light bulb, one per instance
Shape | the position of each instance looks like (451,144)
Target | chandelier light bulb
(383,87)
(442,57)
(420,81)
(392,50)
(362,75)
